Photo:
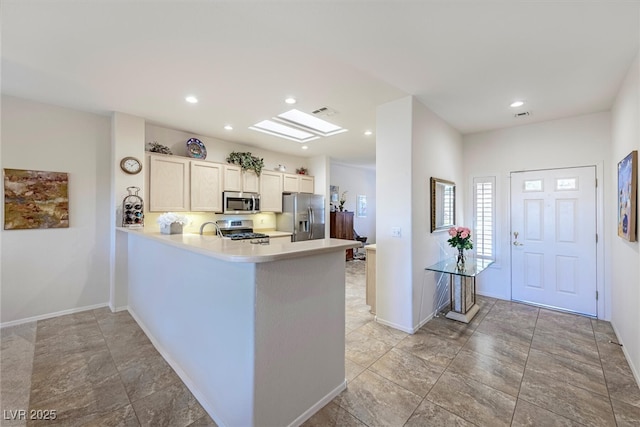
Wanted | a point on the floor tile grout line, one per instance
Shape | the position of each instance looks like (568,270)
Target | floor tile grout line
(106,343)
(526,362)
(535,404)
(604,375)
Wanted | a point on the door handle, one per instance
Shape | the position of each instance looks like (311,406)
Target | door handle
(515,236)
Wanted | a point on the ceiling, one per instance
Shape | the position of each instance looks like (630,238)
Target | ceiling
(465,60)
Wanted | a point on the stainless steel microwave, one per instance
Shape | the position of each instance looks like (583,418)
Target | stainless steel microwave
(239,203)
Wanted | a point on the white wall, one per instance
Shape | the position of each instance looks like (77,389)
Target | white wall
(624,255)
(575,141)
(412,144)
(437,152)
(358,181)
(218,150)
(53,270)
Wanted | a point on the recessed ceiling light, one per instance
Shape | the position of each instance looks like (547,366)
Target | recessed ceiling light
(191,99)
(516,104)
(305,147)
(290,100)
(228,127)
(368,132)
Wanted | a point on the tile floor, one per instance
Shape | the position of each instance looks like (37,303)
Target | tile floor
(512,365)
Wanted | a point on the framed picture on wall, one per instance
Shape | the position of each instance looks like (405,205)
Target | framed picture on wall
(627,196)
(35,199)
(334,191)
(361,206)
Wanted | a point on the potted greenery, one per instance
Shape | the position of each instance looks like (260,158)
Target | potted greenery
(246,161)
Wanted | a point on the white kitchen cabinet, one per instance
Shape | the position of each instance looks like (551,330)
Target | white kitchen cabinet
(206,186)
(279,239)
(290,183)
(235,179)
(270,191)
(232,178)
(168,184)
(295,183)
(306,184)
(250,182)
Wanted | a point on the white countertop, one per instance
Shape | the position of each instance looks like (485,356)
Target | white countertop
(244,251)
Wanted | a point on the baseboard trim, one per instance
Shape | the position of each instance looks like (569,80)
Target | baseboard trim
(319,405)
(178,370)
(634,369)
(395,326)
(51,315)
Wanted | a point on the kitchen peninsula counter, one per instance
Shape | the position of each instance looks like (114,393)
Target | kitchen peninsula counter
(244,251)
(255,331)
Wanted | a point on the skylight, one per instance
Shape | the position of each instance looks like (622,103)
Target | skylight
(277,129)
(310,122)
(297,126)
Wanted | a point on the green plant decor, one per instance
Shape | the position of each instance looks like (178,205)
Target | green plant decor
(246,161)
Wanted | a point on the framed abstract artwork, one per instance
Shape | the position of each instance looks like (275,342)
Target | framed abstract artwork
(628,196)
(35,199)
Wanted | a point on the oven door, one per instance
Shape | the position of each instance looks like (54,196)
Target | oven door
(237,203)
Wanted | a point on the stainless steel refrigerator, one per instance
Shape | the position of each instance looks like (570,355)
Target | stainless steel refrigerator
(302,215)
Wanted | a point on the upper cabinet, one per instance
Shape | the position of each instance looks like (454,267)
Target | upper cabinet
(250,182)
(270,191)
(206,186)
(232,178)
(178,184)
(168,184)
(290,183)
(295,183)
(307,184)
(237,180)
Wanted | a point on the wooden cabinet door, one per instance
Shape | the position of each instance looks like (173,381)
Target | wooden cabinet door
(250,182)
(232,178)
(271,191)
(306,184)
(290,183)
(206,186)
(168,184)
(341,227)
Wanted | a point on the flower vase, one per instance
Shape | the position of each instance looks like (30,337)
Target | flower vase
(460,259)
(173,228)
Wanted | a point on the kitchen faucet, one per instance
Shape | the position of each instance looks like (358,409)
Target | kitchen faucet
(218,232)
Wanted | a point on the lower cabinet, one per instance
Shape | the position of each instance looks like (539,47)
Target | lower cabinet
(280,239)
(370,250)
(341,227)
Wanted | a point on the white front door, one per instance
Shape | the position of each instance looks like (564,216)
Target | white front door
(553,238)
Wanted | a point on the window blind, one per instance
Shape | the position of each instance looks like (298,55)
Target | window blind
(484,218)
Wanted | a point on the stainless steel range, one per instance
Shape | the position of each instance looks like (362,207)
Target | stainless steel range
(240,229)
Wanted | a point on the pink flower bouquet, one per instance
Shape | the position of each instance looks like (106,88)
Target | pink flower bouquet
(460,238)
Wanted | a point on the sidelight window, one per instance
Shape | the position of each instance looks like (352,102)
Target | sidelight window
(484,221)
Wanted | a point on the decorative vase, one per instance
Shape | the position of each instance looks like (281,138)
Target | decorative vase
(460,259)
(173,228)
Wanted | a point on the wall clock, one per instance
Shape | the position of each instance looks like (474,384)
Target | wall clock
(130,165)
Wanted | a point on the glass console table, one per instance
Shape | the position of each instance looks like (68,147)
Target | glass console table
(462,285)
